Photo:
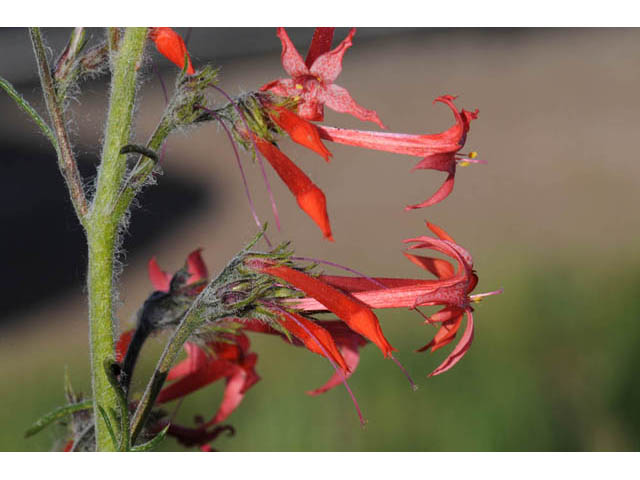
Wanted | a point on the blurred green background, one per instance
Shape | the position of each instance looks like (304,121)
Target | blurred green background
(552,219)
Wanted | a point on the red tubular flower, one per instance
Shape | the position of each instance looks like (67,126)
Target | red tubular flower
(452,290)
(349,344)
(313,84)
(354,313)
(300,131)
(171,45)
(231,361)
(337,338)
(439,151)
(310,198)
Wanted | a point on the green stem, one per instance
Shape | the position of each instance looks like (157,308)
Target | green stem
(66,161)
(102,225)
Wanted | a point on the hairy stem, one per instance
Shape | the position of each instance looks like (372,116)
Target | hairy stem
(102,225)
(66,161)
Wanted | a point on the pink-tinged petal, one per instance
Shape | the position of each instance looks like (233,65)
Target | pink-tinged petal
(442,193)
(320,44)
(329,65)
(444,162)
(337,98)
(401,143)
(159,278)
(352,358)
(445,315)
(233,395)
(460,349)
(196,267)
(439,267)
(311,109)
(196,360)
(291,60)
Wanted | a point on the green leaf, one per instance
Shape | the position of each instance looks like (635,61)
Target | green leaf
(56,415)
(29,110)
(153,443)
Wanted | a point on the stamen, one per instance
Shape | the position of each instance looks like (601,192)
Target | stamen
(188,36)
(337,265)
(274,208)
(477,298)
(238,161)
(338,370)
(164,88)
(414,387)
(465,159)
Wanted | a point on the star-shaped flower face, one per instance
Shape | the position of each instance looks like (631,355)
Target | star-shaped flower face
(312,85)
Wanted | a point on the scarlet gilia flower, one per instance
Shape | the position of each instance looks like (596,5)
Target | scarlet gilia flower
(229,359)
(440,151)
(311,82)
(357,315)
(451,290)
(339,341)
(171,45)
(310,198)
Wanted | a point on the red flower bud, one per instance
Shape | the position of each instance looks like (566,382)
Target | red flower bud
(171,45)
(300,131)
(310,198)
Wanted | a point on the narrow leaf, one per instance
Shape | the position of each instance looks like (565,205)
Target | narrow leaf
(107,422)
(57,414)
(29,110)
(153,443)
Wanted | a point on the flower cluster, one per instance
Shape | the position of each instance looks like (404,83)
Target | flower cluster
(275,292)
(290,105)
(352,299)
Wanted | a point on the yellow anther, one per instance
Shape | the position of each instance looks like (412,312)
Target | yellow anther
(473,155)
(463,163)
(299,87)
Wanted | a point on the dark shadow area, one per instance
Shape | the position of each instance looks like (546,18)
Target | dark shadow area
(43,245)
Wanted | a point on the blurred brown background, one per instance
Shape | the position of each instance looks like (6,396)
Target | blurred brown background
(551,218)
